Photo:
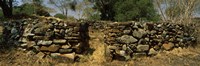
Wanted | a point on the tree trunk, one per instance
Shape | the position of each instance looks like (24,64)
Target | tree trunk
(7,12)
(6,8)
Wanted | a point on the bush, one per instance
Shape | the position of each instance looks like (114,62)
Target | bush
(61,16)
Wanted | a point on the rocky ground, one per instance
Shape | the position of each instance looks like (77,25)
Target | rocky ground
(178,57)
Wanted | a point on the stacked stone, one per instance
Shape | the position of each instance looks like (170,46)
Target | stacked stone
(135,39)
(55,38)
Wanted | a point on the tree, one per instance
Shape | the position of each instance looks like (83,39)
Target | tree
(124,10)
(64,5)
(34,7)
(105,7)
(7,6)
(138,10)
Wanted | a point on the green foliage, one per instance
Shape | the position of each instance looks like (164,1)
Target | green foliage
(30,9)
(126,10)
(61,16)
(135,10)
(95,16)
(24,9)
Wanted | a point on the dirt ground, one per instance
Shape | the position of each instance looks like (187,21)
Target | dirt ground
(178,57)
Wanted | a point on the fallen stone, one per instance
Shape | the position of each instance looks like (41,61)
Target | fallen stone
(40,55)
(127,39)
(59,41)
(142,47)
(42,42)
(152,52)
(53,48)
(168,46)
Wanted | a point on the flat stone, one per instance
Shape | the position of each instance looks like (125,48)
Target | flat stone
(31,44)
(42,42)
(138,55)
(38,37)
(23,45)
(168,46)
(127,39)
(142,47)
(65,50)
(44,48)
(55,54)
(53,48)
(40,55)
(59,41)
(69,56)
(65,46)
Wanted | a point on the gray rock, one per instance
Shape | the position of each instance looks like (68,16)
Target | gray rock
(152,52)
(55,54)
(142,47)
(127,39)
(124,47)
(42,42)
(66,46)
(23,45)
(59,41)
(69,56)
(139,33)
(159,25)
(53,48)
(127,31)
(31,44)
(65,50)
(122,53)
(138,55)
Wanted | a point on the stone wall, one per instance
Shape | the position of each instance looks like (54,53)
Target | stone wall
(127,40)
(124,40)
(54,37)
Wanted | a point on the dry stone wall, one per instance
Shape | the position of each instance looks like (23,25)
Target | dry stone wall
(48,36)
(126,40)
